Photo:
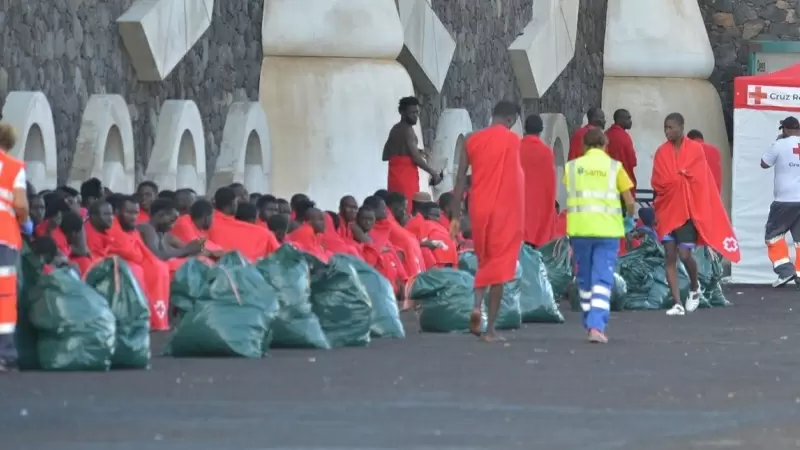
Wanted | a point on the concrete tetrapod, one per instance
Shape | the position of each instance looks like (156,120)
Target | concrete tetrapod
(29,112)
(178,159)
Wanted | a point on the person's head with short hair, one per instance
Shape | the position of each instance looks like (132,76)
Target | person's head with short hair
(8,137)
(647,216)
(241,193)
(71,196)
(267,206)
(673,127)
(115,200)
(163,214)
(91,191)
(166,194)
(622,118)
(254,198)
(184,198)
(409,108)
(284,207)
(505,113)
(296,200)
(365,218)
(382,193)
(790,126)
(72,226)
(398,205)
(419,199)
(226,201)
(146,193)
(202,214)
(128,212)
(36,208)
(377,205)
(695,135)
(45,248)
(534,125)
(348,208)
(430,211)
(596,117)
(55,204)
(595,139)
(446,204)
(247,212)
(308,212)
(101,215)
(279,225)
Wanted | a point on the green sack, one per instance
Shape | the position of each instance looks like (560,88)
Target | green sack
(29,270)
(234,317)
(447,298)
(557,256)
(385,313)
(710,272)
(619,293)
(188,285)
(342,303)
(295,325)
(536,300)
(232,260)
(113,279)
(510,315)
(77,330)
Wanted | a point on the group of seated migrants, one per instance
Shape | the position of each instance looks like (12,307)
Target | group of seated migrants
(156,231)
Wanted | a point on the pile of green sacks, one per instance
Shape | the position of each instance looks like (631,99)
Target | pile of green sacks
(66,324)
(446,296)
(287,300)
(643,271)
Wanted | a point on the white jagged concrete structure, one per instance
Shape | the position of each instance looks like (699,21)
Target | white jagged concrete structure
(29,112)
(556,136)
(159,33)
(331,102)
(453,127)
(105,147)
(652,71)
(178,158)
(546,46)
(245,151)
(428,47)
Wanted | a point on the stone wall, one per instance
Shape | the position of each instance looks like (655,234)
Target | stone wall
(481,72)
(731,24)
(70,49)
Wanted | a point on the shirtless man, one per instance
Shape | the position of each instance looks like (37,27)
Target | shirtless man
(402,152)
(155,233)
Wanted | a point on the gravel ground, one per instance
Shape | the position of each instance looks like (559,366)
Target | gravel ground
(723,378)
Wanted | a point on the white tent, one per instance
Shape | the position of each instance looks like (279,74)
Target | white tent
(760,103)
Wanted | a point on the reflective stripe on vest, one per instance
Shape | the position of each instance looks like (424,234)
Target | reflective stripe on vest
(610,194)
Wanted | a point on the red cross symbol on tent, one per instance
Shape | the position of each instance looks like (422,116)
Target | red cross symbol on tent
(757,95)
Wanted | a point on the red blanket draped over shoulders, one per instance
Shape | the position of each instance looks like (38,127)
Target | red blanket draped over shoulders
(304,238)
(407,243)
(495,203)
(620,147)
(186,231)
(380,235)
(334,243)
(250,240)
(685,189)
(538,165)
(56,235)
(576,142)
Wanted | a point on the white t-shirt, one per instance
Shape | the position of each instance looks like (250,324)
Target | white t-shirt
(784,156)
(21,181)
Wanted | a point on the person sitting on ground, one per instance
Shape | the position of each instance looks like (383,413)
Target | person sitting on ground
(157,237)
(91,191)
(195,225)
(381,257)
(308,236)
(78,251)
(434,236)
(254,198)
(37,209)
(279,225)
(284,207)
(267,206)
(146,194)
(247,212)
(184,198)
(348,210)
(413,256)
(47,251)
(252,241)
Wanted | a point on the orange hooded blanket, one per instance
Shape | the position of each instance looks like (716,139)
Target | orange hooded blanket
(539,167)
(305,239)
(252,241)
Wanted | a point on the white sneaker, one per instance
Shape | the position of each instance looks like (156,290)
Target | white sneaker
(781,281)
(676,310)
(693,301)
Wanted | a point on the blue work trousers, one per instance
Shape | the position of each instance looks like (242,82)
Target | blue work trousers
(595,258)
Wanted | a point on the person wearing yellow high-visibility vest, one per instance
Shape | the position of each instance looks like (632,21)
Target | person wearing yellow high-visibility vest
(595,224)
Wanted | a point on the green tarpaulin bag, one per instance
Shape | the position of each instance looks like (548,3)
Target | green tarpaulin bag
(557,256)
(234,318)
(537,302)
(446,296)
(619,293)
(77,330)
(295,325)
(711,272)
(232,260)
(26,337)
(188,284)
(342,303)
(113,279)
(385,313)
(510,315)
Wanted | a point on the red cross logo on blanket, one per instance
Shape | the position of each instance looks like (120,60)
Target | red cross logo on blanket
(730,244)
(756,96)
(161,308)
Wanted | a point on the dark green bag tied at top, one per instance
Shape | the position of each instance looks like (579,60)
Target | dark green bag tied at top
(232,260)
(295,326)
(77,329)
(234,317)
(510,315)
(385,313)
(189,283)
(113,279)
(342,303)
(557,256)
(537,302)
(711,272)
(447,297)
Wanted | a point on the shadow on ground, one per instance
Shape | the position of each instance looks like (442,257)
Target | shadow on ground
(723,378)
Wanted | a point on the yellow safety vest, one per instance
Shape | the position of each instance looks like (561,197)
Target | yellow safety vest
(593,202)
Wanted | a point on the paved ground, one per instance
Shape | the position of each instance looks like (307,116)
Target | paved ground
(726,378)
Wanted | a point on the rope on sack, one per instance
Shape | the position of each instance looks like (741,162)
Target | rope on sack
(233,285)
(116,275)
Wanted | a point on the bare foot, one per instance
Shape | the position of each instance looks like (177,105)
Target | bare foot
(475,322)
(492,337)
(407,305)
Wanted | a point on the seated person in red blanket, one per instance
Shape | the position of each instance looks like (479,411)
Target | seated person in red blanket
(247,212)
(279,225)
(36,205)
(78,255)
(47,251)
(157,237)
(308,235)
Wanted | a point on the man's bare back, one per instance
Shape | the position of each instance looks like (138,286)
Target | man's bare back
(401,136)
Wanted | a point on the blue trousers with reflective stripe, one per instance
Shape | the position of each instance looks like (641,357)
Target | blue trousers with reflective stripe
(595,258)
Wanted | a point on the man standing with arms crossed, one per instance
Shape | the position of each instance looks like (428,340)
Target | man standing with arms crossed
(13,212)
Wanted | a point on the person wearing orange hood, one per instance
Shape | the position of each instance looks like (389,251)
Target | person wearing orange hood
(402,239)
(308,236)
(72,225)
(438,249)
(252,241)
(348,210)
(597,119)
(195,226)
(376,248)
(538,165)
(157,237)
(146,193)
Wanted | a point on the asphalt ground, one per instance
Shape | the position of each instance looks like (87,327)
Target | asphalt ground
(722,378)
